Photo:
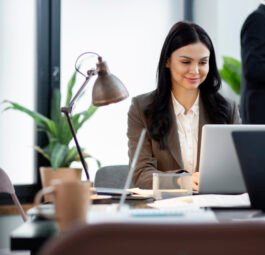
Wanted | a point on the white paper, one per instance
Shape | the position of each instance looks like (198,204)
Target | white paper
(186,214)
(143,192)
(241,200)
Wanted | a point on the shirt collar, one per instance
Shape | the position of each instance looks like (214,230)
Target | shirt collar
(179,109)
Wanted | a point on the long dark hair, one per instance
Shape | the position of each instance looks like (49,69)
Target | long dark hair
(158,113)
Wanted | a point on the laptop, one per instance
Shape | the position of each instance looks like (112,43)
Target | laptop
(250,147)
(220,171)
(124,192)
(122,213)
(132,168)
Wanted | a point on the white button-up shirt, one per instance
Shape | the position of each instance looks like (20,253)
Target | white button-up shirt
(188,127)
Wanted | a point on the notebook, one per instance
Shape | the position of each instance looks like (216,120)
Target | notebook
(250,147)
(220,172)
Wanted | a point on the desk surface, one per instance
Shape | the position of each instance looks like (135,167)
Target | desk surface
(34,233)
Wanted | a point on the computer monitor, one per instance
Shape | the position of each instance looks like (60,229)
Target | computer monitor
(250,150)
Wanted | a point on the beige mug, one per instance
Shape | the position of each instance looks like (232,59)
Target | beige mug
(71,202)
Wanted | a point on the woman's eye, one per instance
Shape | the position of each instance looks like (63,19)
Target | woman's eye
(185,62)
(204,63)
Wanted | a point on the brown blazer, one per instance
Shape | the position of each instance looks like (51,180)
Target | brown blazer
(152,159)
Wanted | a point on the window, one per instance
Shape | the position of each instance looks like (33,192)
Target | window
(17,83)
(30,52)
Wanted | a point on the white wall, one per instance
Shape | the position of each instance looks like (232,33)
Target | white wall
(223,20)
(129,35)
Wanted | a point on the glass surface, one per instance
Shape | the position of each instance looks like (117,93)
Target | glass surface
(129,36)
(167,185)
(17,83)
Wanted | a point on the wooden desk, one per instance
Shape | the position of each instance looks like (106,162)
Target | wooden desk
(12,209)
(34,233)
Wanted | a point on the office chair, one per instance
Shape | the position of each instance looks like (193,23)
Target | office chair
(169,239)
(111,176)
(7,187)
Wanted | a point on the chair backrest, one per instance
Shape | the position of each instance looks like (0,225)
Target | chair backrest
(145,239)
(6,186)
(112,176)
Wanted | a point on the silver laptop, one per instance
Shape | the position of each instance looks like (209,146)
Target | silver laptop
(132,167)
(220,171)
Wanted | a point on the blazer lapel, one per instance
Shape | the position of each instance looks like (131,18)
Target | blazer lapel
(203,119)
(173,139)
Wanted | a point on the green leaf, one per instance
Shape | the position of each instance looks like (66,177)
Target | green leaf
(42,152)
(58,154)
(85,155)
(70,87)
(56,106)
(70,156)
(65,135)
(41,120)
(231,73)
(82,117)
(97,161)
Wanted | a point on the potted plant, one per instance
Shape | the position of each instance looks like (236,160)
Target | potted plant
(58,151)
(231,73)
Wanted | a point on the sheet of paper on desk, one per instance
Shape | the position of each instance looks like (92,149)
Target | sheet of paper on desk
(241,200)
(143,192)
(210,200)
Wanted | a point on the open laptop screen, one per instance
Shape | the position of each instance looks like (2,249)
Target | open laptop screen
(220,172)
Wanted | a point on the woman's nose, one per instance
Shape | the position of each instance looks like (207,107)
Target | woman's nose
(194,69)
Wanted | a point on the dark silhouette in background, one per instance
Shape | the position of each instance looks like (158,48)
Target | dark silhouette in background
(252,104)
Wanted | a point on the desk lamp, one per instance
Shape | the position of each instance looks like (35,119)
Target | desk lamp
(107,89)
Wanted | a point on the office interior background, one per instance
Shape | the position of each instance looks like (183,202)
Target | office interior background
(128,35)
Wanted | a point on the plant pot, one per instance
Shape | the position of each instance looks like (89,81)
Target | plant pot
(48,174)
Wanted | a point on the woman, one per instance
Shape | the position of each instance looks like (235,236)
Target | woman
(185,99)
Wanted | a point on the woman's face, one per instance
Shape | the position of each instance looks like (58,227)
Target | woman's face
(189,66)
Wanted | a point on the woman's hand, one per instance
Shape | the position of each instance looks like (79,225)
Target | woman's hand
(195,181)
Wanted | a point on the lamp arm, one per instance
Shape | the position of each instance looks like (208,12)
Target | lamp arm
(85,53)
(67,110)
(90,73)
(70,123)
